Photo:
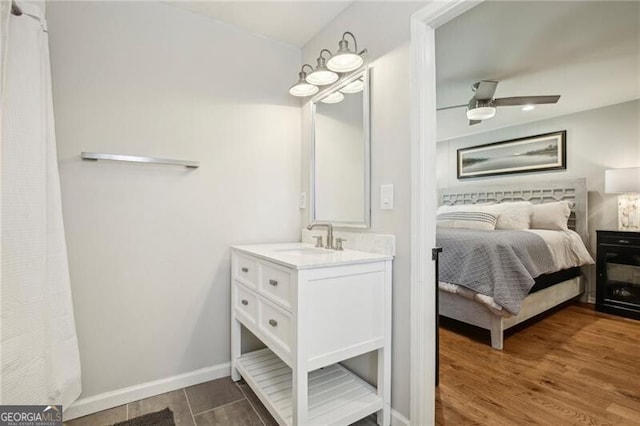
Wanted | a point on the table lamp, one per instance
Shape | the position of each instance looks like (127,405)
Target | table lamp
(627,183)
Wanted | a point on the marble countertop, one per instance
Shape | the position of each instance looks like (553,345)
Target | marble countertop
(306,256)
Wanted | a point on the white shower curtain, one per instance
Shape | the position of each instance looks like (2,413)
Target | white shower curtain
(39,348)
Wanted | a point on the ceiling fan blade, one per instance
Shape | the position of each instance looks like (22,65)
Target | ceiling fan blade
(473,122)
(485,89)
(451,107)
(526,100)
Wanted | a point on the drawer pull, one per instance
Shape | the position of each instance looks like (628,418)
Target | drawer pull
(245,269)
(623,241)
(273,282)
(273,323)
(245,302)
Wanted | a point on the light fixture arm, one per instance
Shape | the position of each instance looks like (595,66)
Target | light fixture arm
(325,50)
(355,42)
(306,65)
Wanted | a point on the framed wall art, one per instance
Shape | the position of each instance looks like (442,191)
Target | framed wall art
(524,155)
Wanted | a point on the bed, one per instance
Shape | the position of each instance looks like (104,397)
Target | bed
(550,289)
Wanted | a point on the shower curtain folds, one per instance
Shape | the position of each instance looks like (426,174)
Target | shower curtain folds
(39,357)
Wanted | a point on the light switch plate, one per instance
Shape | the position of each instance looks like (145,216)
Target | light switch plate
(386,197)
(303,200)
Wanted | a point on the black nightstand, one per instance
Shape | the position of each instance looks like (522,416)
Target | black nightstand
(618,273)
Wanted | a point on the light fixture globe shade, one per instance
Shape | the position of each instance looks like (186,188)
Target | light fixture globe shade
(353,87)
(333,98)
(321,76)
(345,62)
(481,113)
(302,88)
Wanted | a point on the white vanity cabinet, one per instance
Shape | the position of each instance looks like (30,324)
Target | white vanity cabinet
(312,308)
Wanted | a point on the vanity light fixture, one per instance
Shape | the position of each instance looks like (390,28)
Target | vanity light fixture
(302,88)
(322,75)
(345,59)
(333,98)
(329,68)
(353,87)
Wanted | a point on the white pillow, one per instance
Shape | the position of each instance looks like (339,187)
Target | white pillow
(478,207)
(514,216)
(551,216)
(467,220)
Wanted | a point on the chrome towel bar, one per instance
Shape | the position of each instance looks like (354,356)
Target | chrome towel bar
(138,159)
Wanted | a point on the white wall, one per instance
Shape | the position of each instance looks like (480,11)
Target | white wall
(149,245)
(384,29)
(599,139)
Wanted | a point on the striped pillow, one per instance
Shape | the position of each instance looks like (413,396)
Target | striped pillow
(467,220)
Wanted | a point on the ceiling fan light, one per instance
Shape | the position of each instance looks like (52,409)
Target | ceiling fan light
(528,107)
(333,98)
(353,87)
(481,113)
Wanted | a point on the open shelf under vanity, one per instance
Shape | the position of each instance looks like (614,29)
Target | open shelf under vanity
(336,395)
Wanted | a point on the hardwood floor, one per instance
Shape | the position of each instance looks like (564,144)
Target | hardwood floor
(576,366)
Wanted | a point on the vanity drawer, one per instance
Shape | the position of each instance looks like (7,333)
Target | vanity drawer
(245,303)
(245,270)
(275,324)
(275,284)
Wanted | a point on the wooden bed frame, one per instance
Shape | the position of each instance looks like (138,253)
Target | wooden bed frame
(471,312)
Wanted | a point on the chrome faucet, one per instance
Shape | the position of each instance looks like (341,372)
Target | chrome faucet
(329,226)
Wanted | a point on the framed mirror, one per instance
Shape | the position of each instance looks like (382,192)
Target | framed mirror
(340,153)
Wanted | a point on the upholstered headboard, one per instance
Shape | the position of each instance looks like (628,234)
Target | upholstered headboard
(574,190)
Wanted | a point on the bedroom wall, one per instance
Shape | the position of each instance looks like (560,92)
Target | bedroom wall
(149,244)
(384,29)
(597,139)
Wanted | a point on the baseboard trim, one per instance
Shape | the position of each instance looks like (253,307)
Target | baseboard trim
(104,401)
(398,419)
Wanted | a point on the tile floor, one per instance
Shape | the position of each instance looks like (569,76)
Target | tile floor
(218,402)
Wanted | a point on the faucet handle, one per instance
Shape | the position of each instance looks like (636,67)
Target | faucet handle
(318,240)
(339,242)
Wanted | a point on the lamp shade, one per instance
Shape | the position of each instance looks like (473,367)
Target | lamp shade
(321,75)
(302,88)
(345,59)
(333,98)
(621,181)
(345,62)
(353,87)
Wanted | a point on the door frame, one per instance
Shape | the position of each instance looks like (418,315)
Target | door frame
(424,202)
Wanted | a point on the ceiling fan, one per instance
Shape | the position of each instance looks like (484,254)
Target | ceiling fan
(483,105)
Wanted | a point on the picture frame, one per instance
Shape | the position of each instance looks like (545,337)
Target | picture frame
(537,153)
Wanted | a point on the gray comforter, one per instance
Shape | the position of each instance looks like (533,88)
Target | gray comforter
(500,264)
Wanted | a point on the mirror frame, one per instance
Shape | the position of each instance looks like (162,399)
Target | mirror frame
(363,72)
